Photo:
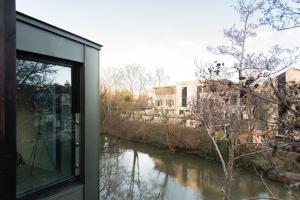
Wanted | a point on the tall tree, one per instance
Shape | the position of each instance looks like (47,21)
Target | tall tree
(160,76)
(251,69)
(281,14)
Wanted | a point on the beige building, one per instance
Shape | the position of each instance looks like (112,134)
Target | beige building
(180,98)
(163,99)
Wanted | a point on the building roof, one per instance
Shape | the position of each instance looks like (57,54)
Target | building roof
(58,31)
(288,70)
(189,82)
(200,82)
(166,90)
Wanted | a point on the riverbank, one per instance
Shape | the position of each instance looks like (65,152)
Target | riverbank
(155,173)
(195,141)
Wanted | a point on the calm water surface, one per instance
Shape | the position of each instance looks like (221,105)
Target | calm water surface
(138,171)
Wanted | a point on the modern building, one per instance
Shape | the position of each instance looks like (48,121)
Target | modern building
(163,99)
(49,110)
(180,98)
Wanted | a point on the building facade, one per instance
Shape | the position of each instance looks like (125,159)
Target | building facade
(186,94)
(163,99)
(49,122)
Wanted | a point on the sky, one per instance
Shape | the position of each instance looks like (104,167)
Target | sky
(169,34)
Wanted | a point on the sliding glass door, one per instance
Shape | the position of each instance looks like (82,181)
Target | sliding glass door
(45,124)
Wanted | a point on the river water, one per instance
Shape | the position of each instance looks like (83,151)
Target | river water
(139,171)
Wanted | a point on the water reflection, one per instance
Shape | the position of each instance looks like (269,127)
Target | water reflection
(135,171)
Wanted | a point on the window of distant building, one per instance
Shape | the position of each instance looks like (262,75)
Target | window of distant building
(211,103)
(212,88)
(170,102)
(184,97)
(158,103)
(199,91)
(233,99)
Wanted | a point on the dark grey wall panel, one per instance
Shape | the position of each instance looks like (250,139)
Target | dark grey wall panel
(35,40)
(91,123)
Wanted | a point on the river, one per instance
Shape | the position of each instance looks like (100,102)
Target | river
(139,171)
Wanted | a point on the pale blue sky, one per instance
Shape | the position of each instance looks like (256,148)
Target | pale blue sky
(153,33)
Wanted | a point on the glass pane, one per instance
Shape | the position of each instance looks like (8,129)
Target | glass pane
(44,124)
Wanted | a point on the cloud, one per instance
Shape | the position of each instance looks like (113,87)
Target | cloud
(184,43)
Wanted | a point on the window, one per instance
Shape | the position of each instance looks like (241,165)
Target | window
(158,103)
(199,91)
(184,97)
(233,99)
(170,102)
(45,153)
(212,88)
(211,103)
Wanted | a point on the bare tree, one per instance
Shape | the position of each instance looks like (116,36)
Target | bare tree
(136,79)
(281,14)
(251,68)
(34,73)
(254,72)
(160,76)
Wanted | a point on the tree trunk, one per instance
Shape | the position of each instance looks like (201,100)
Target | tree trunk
(229,177)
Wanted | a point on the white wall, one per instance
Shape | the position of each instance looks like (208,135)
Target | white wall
(293,75)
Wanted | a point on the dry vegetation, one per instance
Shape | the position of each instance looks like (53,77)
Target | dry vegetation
(165,135)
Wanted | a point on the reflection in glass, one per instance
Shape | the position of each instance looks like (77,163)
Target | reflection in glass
(44,124)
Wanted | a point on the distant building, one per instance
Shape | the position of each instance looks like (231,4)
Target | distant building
(180,98)
(284,82)
(178,101)
(163,99)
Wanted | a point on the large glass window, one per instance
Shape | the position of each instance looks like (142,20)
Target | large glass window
(184,97)
(44,125)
